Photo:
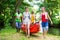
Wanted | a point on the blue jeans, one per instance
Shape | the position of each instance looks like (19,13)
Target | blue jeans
(18,24)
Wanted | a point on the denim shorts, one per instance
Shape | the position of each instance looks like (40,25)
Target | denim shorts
(45,26)
(18,24)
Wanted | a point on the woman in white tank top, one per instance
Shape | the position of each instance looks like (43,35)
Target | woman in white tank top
(26,21)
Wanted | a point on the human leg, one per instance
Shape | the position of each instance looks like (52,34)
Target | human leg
(25,23)
(44,32)
(17,26)
(28,29)
(45,29)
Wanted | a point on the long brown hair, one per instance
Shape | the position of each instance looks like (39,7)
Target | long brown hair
(32,12)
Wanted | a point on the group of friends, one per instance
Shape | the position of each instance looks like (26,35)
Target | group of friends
(30,18)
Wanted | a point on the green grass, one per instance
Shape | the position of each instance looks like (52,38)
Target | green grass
(7,31)
(11,34)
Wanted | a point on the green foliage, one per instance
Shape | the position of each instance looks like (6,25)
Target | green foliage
(6,3)
(22,7)
(7,31)
(52,7)
(8,8)
(54,31)
(30,0)
(1,21)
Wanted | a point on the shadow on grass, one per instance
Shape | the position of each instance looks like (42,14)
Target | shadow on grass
(31,35)
(34,35)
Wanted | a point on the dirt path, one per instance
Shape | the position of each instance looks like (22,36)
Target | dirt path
(21,36)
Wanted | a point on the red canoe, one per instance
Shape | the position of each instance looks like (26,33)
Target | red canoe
(35,28)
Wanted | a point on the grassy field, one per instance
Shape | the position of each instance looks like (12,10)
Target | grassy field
(11,34)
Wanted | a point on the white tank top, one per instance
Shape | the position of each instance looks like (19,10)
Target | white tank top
(26,16)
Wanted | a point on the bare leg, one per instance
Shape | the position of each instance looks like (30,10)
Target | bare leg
(44,33)
(45,30)
(28,30)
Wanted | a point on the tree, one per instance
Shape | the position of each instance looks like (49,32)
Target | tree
(8,9)
(19,5)
(52,7)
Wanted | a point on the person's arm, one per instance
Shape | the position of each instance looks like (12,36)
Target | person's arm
(50,19)
(22,16)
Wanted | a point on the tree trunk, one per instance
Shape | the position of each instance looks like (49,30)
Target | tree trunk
(18,3)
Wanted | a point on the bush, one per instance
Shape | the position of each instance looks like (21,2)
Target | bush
(54,31)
